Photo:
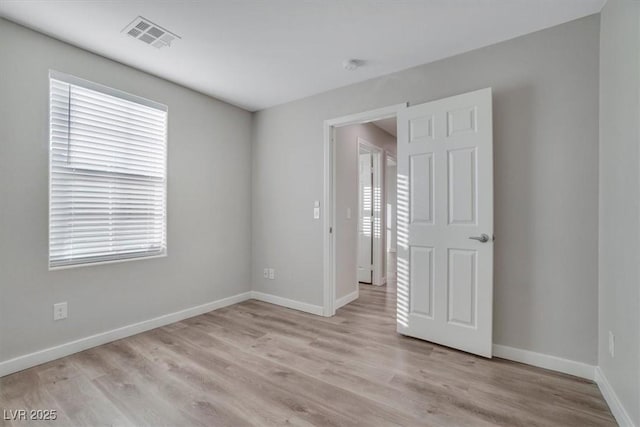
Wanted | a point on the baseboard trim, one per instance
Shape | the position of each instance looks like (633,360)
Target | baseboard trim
(342,301)
(546,361)
(42,356)
(289,303)
(617,409)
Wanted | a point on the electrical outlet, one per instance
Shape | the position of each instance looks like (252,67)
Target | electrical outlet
(265,273)
(272,273)
(60,311)
(612,344)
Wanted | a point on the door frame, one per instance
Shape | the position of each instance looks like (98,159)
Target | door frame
(329,154)
(388,157)
(377,246)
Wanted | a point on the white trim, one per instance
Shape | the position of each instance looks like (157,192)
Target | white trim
(368,145)
(571,367)
(42,356)
(97,87)
(111,261)
(340,302)
(546,361)
(367,116)
(617,409)
(377,244)
(289,303)
(329,243)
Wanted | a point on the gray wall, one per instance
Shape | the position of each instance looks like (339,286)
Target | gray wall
(208,195)
(546,181)
(619,266)
(347,197)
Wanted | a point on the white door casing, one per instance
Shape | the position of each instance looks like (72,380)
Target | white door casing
(445,198)
(365,216)
(329,245)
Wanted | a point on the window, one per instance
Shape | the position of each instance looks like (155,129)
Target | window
(108,174)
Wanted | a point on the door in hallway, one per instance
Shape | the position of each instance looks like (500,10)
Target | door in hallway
(365,215)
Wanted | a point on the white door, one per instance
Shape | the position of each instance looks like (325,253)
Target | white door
(445,222)
(365,217)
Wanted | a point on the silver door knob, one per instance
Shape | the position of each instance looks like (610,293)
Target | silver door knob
(482,239)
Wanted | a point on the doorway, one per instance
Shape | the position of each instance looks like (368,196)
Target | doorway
(444,220)
(357,220)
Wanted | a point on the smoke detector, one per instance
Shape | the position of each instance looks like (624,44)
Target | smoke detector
(144,30)
(352,64)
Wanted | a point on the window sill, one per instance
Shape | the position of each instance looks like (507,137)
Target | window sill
(114,261)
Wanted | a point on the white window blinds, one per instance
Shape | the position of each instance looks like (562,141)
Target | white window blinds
(108,174)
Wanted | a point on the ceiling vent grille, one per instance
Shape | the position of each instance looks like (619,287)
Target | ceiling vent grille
(150,33)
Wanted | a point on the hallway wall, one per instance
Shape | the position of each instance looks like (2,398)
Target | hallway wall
(347,198)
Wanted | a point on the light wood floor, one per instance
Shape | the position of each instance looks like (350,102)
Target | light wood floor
(258,364)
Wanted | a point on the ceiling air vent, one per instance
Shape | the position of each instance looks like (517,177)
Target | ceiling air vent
(150,33)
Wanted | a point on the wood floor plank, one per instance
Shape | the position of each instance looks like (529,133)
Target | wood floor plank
(256,385)
(72,396)
(319,392)
(256,364)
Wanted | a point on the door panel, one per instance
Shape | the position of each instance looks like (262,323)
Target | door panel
(462,186)
(365,218)
(445,197)
(421,170)
(421,262)
(420,127)
(461,287)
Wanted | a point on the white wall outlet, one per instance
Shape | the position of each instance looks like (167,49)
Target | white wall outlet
(265,273)
(612,344)
(60,311)
(272,273)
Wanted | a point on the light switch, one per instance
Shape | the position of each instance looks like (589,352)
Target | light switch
(316,213)
(316,203)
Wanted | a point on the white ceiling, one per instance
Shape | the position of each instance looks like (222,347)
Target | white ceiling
(257,53)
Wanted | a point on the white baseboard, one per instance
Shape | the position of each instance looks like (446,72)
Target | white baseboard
(621,415)
(42,356)
(546,361)
(289,303)
(342,301)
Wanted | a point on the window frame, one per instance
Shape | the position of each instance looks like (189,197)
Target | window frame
(77,81)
